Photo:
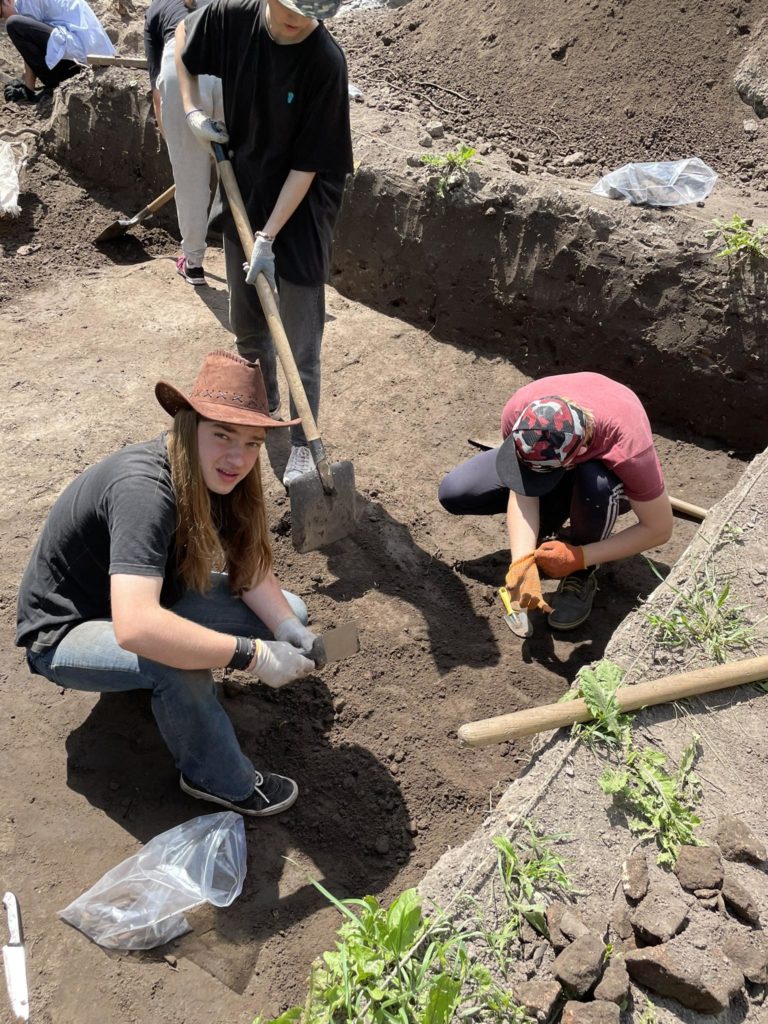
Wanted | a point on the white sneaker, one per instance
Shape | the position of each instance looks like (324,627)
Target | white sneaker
(300,462)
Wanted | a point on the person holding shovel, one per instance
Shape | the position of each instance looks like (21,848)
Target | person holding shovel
(154,567)
(54,37)
(575,446)
(286,108)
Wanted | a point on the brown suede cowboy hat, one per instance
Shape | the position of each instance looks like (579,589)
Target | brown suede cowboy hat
(228,389)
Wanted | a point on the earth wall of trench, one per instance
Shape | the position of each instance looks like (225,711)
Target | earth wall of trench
(537,270)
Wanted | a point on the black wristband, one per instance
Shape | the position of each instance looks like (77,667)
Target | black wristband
(245,651)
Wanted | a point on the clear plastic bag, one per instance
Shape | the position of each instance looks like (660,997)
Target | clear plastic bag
(141,902)
(669,183)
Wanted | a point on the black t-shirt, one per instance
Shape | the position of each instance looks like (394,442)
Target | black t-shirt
(286,108)
(119,516)
(160,23)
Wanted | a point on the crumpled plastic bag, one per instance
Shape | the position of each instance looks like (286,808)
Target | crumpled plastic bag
(668,183)
(141,903)
(9,180)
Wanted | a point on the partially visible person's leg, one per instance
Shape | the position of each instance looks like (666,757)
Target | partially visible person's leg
(302,310)
(473,488)
(194,725)
(219,609)
(595,505)
(191,164)
(246,318)
(30,37)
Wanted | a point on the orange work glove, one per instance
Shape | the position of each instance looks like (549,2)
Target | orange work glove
(524,585)
(558,559)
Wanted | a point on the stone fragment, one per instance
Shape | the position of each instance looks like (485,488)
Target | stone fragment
(555,911)
(518,166)
(739,901)
(579,965)
(414,161)
(597,1012)
(382,845)
(738,842)
(658,917)
(425,141)
(751,76)
(701,979)
(572,924)
(574,159)
(538,997)
(749,952)
(614,985)
(699,867)
(750,126)
(634,876)
(436,129)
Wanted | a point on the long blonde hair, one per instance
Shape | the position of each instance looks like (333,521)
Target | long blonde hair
(215,532)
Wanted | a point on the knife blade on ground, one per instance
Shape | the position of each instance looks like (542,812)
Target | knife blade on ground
(334,644)
(14,959)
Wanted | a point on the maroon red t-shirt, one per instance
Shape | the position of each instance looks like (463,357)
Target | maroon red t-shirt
(622,436)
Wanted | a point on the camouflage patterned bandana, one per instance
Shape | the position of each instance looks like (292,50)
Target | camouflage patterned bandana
(319,9)
(548,433)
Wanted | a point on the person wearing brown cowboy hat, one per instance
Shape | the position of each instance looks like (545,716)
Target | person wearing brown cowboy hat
(286,108)
(154,567)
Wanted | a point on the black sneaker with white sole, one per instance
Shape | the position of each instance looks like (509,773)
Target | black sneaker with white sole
(271,794)
(572,603)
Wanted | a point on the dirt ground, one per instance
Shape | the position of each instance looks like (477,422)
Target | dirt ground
(86,331)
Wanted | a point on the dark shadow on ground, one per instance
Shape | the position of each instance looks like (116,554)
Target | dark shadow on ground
(350,821)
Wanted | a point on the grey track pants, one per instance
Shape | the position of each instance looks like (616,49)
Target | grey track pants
(302,310)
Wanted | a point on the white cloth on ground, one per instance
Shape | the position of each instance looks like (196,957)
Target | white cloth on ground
(190,160)
(76,29)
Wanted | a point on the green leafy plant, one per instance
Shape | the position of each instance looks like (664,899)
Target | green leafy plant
(702,617)
(397,966)
(648,1016)
(662,805)
(597,686)
(451,167)
(739,238)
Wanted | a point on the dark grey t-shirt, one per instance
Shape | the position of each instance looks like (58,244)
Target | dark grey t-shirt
(119,516)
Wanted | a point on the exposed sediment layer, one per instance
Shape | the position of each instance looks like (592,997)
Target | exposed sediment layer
(536,269)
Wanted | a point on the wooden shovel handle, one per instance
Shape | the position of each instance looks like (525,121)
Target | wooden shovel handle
(161,200)
(696,511)
(629,698)
(268,304)
(97,60)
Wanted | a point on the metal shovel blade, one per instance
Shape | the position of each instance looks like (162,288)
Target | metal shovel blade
(318,518)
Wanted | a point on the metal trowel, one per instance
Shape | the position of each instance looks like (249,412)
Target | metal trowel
(335,644)
(515,618)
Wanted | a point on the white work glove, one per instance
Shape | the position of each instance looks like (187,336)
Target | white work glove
(262,262)
(277,663)
(205,128)
(295,633)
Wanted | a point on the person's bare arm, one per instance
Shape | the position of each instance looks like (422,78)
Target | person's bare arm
(295,187)
(522,524)
(653,527)
(188,84)
(156,106)
(144,627)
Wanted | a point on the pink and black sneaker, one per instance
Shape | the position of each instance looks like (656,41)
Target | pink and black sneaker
(192,275)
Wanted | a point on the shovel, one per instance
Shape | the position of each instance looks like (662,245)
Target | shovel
(322,502)
(119,227)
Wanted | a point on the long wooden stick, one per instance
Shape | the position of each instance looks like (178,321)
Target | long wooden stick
(687,508)
(96,60)
(629,698)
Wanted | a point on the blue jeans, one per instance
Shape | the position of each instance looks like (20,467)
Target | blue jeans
(194,725)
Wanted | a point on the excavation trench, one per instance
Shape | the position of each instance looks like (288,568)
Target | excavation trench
(511,277)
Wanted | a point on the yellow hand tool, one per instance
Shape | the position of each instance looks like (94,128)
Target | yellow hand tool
(515,618)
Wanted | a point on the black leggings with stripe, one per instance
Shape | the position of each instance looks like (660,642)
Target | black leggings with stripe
(590,495)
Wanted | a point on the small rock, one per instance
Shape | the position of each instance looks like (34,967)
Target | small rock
(579,965)
(436,130)
(738,842)
(572,925)
(614,985)
(597,1012)
(518,166)
(490,211)
(171,960)
(27,250)
(634,876)
(739,901)
(699,867)
(749,952)
(622,925)
(658,917)
(555,911)
(382,845)
(750,127)
(574,159)
(414,161)
(425,141)
(538,997)
(701,979)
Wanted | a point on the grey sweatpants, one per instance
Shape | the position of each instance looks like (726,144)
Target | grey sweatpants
(302,310)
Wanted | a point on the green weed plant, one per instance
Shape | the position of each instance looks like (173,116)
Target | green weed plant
(739,239)
(451,167)
(597,686)
(703,616)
